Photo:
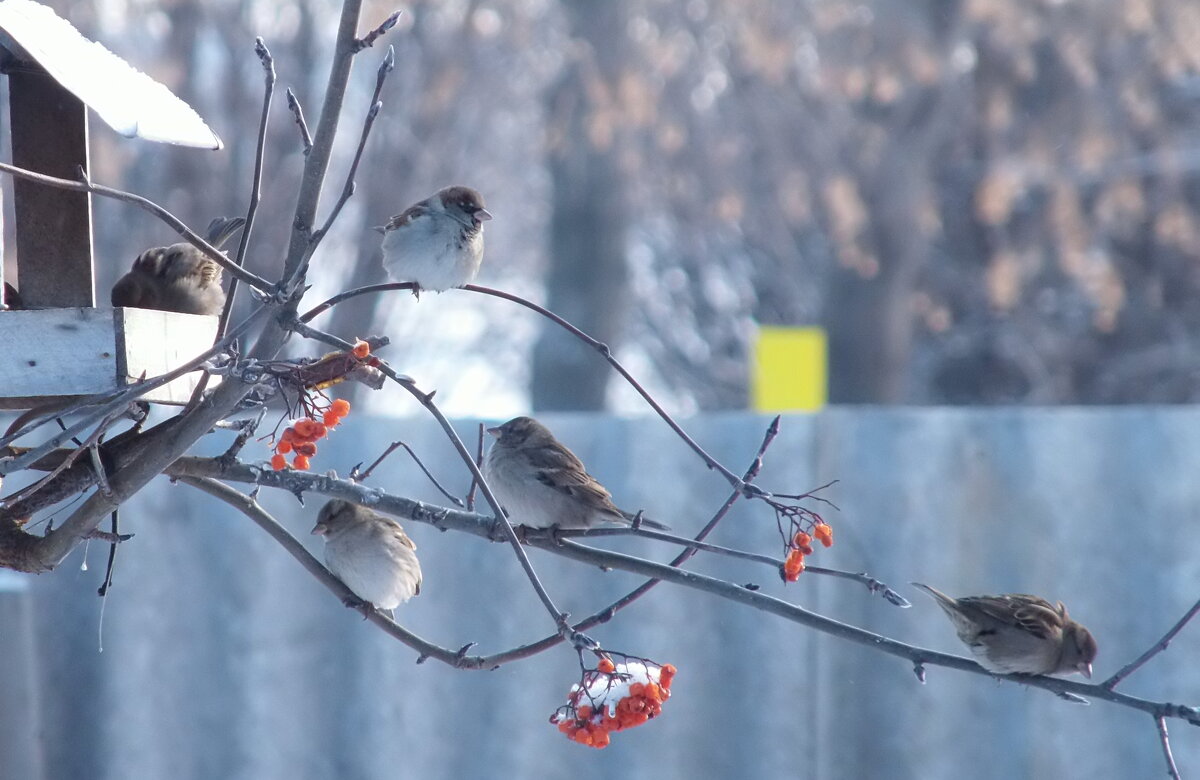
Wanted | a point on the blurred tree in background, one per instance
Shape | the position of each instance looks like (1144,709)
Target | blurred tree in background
(982,201)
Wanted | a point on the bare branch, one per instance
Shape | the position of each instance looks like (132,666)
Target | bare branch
(481,526)
(251,508)
(369,39)
(872,584)
(385,67)
(268,65)
(298,112)
(1155,649)
(458,502)
(260,150)
(1161,723)
(86,185)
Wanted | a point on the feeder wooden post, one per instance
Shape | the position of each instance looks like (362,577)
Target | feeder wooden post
(54,226)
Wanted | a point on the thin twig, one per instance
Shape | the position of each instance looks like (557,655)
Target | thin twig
(88,445)
(86,185)
(1161,723)
(458,502)
(102,591)
(426,400)
(369,39)
(599,346)
(874,585)
(607,613)
(251,508)
(1154,650)
(298,113)
(268,66)
(385,67)
(479,463)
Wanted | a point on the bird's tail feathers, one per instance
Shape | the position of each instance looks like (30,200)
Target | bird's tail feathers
(221,229)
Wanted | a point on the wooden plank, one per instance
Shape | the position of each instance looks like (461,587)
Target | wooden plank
(53,226)
(155,342)
(55,353)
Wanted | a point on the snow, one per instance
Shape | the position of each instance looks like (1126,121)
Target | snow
(127,100)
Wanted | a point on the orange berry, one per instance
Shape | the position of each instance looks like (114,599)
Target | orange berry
(319,430)
(300,462)
(283,447)
(585,712)
(288,434)
(824,533)
(305,448)
(340,407)
(330,419)
(278,462)
(606,666)
(600,739)
(666,674)
(361,349)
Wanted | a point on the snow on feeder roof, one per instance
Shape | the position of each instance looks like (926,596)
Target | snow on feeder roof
(127,100)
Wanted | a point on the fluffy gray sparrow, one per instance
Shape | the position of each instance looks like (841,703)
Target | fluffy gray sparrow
(437,243)
(1019,634)
(178,277)
(370,553)
(542,484)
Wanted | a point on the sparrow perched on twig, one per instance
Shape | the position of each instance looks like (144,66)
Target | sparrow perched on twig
(542,484)
(1019,634)
(178,277)
(370,553)
(437,243)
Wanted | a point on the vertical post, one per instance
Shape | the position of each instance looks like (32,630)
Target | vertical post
(20,713)
(54,226)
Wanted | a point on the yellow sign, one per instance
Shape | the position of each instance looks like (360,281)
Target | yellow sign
(790,369)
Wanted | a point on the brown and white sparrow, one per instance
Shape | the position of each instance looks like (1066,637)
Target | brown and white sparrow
(542,484)
(370,553)
(178,277)
(1019,634)
(437,243)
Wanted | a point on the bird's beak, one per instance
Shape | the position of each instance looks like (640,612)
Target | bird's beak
(494,431)
(319,529)
(380,229)
(482,215)
(1085,670)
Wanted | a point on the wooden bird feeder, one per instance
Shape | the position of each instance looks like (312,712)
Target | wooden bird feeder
(60,344)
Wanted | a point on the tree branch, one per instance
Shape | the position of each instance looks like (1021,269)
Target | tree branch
(251,509)
(480,526)
(86,185)
(1155,649)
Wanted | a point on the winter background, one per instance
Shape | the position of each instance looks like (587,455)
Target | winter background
(990,207)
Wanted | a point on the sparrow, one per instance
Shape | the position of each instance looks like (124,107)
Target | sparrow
(542,484)
(178,277)
(1019,634)
(370,553)
(437,243)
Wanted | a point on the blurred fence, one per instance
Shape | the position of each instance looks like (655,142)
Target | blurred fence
(221,659)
